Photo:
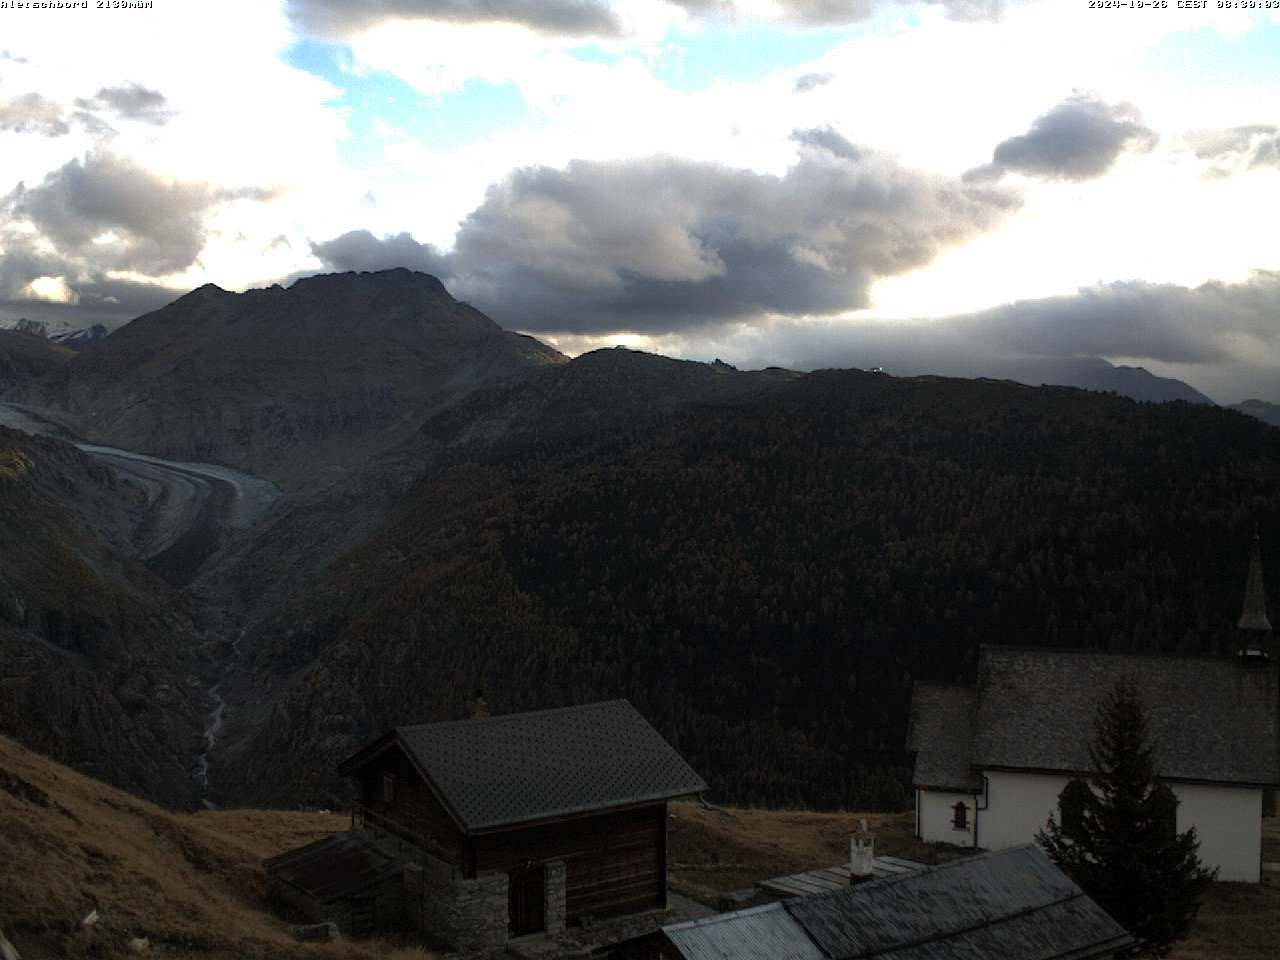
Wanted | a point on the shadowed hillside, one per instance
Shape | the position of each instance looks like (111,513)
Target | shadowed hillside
(96,652)
(28,356)
(765,575)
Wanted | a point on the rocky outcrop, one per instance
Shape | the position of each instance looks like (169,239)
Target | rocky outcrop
(26,356)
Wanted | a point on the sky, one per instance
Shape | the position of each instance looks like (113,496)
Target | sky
(762,181)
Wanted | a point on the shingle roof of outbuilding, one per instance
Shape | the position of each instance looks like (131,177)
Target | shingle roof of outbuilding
(1212,719)
(513,768)
(1014,904)
(941,731)
(333,868)
(756,933)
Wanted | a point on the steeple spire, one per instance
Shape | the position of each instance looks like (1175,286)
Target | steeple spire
(1254,615)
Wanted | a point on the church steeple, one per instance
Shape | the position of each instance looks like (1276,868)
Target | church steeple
(1254,615)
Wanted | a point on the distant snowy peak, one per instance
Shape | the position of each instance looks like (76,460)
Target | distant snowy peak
(77,338)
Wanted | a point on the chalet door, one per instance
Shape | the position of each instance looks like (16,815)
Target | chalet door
(527,893)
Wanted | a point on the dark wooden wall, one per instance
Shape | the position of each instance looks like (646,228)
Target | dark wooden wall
(615,863)
(415,807)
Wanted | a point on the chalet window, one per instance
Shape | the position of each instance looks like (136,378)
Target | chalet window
(388,787)
(960,817)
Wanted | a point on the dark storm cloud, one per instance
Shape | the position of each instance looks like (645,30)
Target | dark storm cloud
(824,138)
(361,250)
(1213,326)
(811,81)
(32,113)
(664,244)
(158,222)
(97,298)
(340,18)
(1076,140)
(131,101)
(1213,322)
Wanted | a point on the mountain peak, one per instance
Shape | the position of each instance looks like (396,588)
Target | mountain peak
(397,278)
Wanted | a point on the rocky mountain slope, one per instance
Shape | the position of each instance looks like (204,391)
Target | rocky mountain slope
(25,357)
(763,570)
(99,660)
(298,384)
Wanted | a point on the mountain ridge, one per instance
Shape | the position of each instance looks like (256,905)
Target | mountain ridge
(294,384)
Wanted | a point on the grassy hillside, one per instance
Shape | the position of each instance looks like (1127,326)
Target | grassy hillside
(191,883)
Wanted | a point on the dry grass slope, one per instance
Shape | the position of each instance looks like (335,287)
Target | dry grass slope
(191,883)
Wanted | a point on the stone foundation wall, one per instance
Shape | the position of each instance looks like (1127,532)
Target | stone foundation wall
(469,914)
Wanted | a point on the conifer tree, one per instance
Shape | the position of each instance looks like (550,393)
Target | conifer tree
(1119,840)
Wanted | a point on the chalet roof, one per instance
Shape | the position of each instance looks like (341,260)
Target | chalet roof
(1212,719)
(941,731)
(514,768)
(1013,904)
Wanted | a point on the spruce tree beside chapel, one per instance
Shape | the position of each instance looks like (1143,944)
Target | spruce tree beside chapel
(1118,837)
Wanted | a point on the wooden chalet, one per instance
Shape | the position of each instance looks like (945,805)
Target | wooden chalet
(569,804)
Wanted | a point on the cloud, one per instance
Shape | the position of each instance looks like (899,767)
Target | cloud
(593,18)
(32,113)
(156,223)
(811,81)
(132,102)
(361,250)
(837,12)
(344,18)
(1237,149)
(573,251)
(1077,140)
(824,138)
(91,296)
(1213,322)
(1199,332)
(104,214)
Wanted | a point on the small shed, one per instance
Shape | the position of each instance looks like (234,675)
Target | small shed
(1015,905)
(342,878)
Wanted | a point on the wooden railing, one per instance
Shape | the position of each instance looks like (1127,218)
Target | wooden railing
(363,816)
